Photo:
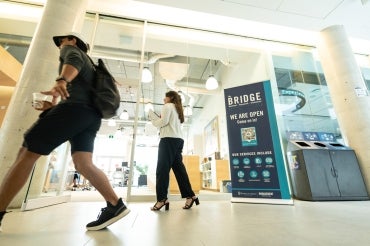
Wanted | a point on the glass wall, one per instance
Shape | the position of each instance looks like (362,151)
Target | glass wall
(364,63)
(304,99)
(179,59)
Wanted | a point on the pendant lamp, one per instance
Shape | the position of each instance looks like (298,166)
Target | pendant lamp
(146,76)
(211,83)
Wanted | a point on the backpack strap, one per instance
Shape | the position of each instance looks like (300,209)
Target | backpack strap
(86,84)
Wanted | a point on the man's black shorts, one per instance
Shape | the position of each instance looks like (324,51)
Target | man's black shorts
(73,122)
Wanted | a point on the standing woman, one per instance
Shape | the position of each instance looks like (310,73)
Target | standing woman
(170,152)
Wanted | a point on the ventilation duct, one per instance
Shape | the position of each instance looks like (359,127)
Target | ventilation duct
(173,73)
(126,55)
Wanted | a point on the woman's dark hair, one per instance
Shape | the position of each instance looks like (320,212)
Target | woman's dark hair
(176,99)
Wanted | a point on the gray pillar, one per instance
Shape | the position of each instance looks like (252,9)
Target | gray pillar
(40,69)
(348,92)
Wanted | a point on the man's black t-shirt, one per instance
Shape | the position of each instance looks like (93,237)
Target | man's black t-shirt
(78,93)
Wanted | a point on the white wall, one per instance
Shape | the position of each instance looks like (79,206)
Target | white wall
(251,69)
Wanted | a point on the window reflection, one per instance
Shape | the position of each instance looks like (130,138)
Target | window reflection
(304,100)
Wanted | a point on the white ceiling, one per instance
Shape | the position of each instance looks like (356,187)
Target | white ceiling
(310,15)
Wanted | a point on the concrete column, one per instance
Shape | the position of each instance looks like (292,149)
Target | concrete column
(40,69)
(348,92)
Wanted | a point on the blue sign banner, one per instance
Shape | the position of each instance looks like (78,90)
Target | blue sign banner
(311,136)
(256,161)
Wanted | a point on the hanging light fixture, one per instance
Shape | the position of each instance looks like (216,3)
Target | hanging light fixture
(211,82)
(124,115)
(146,76)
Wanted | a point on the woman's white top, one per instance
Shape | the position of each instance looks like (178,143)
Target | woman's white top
(168,123)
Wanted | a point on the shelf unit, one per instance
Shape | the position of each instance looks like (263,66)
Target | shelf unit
(206,170)
(213,172)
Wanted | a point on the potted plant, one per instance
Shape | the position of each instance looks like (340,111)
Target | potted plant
(143,174)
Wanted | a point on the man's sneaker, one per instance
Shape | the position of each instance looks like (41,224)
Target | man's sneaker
(2,213)
(108,216)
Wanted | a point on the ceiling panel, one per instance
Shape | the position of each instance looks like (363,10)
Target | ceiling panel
(271,4)
(310,8)
(309,15)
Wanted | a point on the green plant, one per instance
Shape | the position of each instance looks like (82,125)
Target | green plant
(142,169)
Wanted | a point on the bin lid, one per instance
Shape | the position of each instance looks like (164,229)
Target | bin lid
(296,145)
(338,146)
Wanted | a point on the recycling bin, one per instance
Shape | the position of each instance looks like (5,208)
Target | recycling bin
(323,171)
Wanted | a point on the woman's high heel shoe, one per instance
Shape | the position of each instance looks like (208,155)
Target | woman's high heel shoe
(189,205)
(158,205)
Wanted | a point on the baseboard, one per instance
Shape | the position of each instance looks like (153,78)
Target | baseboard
(44,202)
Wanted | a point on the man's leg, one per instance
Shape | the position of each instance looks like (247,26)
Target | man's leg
(17,176)
(115,209)
(84,165)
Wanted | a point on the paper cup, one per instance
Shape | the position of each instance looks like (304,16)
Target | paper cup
(39,99)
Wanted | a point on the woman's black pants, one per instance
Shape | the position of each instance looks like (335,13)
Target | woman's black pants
(170,156)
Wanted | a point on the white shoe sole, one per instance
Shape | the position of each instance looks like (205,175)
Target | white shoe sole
(109,222)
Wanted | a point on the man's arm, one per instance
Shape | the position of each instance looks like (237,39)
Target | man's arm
(67,74)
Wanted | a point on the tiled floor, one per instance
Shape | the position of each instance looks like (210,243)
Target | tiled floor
(211,223)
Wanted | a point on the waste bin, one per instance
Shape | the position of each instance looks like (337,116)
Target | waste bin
(225,186)
(322,171)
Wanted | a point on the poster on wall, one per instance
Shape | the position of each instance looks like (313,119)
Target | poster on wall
(211,143)
(257,166)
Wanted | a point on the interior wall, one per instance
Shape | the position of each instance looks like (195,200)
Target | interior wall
(6,93)
(252,69)
(10,70)
(17,27)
